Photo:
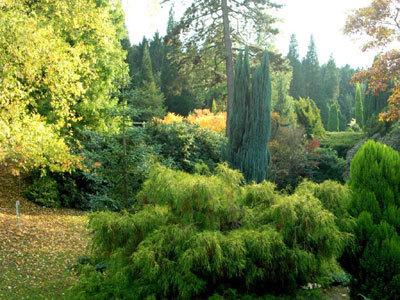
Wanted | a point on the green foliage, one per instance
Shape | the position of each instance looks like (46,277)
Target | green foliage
(330,87)
(250,119)
(63,61)
(308,115)
(148,101)
(282,102)
(333,119)
(341,141)
(146,70)
(328,166)
(184,145)
(195,236)
(313,80)
(358,108)
(43,191)
(297,84)
(374,259)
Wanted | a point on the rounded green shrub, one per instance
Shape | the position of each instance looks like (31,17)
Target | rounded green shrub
(43,191)
(374,259)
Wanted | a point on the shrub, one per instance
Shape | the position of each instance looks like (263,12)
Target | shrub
(374,259)
(185,145)
(43,191)
(341,141)
(327,166)
(195,236)
(308,115)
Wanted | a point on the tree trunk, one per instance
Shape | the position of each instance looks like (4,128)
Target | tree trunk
(229,59)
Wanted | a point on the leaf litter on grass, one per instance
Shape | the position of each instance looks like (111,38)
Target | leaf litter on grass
(36,263)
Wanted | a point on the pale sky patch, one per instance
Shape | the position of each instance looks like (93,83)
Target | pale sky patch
(322,18)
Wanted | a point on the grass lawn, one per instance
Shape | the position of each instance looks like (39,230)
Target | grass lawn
(36,263)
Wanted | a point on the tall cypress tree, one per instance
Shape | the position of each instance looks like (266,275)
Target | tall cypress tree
(250,119)
(297,89)
(358,109)
(333,120)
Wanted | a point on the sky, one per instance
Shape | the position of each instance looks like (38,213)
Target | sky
(324,19)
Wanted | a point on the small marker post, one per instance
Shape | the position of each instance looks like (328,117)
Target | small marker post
(18,215)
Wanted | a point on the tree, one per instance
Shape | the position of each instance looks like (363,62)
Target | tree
(246,16)
(61,61)
(297,85)
(250,119)
(347,93)
(147,99)
(374,259)
(282,102)
(333,120)
(308,115)
(313,80)
(379,22)
(331,81)
(358,108)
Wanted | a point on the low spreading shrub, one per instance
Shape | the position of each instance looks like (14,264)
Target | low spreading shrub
(195,237)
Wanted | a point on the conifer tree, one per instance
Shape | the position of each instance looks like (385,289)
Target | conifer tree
(331,81)
(374,258)
(358,109)
(297,88)
(313,80)
(333,120)
(250,119)
(146,69)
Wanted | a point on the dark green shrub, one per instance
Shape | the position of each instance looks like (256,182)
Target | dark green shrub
(327,166)
(374,259)
(43,191)
(341,141)
(185,145)
(193,236)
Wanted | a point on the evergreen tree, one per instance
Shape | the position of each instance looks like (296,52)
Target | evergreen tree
(250,119)
(331,81)
(358,108)
(347,92)
(282,102)
(297,88)
(333,120)
(374,259)
(313,81)
(146,69)
(308,115)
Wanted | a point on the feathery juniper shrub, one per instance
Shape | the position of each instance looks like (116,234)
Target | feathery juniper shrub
(193,236)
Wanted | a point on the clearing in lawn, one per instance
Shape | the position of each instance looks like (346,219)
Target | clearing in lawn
(36,263)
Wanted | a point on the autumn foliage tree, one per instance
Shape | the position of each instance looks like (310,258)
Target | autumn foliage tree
(380,23)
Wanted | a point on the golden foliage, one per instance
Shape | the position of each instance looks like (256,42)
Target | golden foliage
(202,117)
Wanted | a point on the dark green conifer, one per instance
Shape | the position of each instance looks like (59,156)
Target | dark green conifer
(146,70)
(333,120)
(358,108)
(297,83)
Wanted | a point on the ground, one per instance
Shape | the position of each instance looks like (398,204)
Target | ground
(37,262)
